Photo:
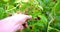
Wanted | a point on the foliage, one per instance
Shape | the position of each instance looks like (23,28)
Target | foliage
(45,13)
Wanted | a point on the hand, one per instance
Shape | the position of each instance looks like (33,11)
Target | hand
(13,23)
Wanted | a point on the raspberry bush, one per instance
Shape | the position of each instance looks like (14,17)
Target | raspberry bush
(45,13)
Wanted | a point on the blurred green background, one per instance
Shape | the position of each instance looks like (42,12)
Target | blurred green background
(45,13)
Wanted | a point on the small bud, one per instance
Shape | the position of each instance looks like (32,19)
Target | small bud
(30,27)
(10,14)
(38,18)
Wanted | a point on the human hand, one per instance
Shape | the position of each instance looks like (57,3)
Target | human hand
(13,23)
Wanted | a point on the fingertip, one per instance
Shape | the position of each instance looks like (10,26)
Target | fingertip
(29,17)
(20,27)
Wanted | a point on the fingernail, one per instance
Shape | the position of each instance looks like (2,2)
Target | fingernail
(29,16)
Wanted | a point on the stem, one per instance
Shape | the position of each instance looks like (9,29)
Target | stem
(12,8)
